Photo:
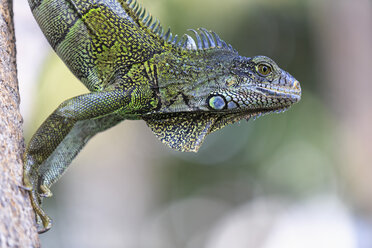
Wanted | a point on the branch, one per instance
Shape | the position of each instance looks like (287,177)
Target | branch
(17,225)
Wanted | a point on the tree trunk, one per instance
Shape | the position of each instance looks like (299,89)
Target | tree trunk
(17,225)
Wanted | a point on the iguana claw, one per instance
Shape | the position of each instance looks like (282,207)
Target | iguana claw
(45,191)
(44,222)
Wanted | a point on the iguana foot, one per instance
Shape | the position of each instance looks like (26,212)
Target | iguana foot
(45,191)
(44,222)
(45,226)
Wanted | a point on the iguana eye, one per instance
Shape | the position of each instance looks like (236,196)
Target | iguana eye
(217,102)
(264,69)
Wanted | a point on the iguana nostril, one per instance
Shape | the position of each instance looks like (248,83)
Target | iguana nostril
(296,85)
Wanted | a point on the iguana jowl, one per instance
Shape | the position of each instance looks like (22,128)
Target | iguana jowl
(183,88)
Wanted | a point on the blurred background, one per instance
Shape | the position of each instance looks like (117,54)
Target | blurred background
(298,179)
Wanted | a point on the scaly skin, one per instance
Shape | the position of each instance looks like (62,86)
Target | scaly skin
(183,89)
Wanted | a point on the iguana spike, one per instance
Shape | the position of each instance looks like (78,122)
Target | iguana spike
(190,43)
(210,38)
(218,39)
(148,23)
(144,21)
(156,27)
(143,14)
(224,45)
(175,39)
(135,6)
(156,30)
(204,39)
(198,40)
(160,32)
(185,43)
(139,10)
(231,48)
(181,41)
(170,38)
(152,27)
(166,36)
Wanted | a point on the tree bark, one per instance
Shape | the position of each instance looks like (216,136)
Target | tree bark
(17,225)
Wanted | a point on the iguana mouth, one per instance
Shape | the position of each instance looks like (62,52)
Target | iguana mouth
(294,96)
(255,113)
(292,92)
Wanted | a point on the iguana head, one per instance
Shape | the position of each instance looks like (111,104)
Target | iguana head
(253,85)
(222,82)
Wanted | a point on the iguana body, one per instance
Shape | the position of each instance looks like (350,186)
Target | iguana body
(183,89)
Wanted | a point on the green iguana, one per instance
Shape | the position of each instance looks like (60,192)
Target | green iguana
(183,88)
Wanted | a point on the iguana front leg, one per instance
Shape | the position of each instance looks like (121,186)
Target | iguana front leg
(60,122)
(57,163)
(67,118)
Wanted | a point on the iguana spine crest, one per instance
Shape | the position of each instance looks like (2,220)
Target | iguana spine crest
(204,39)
